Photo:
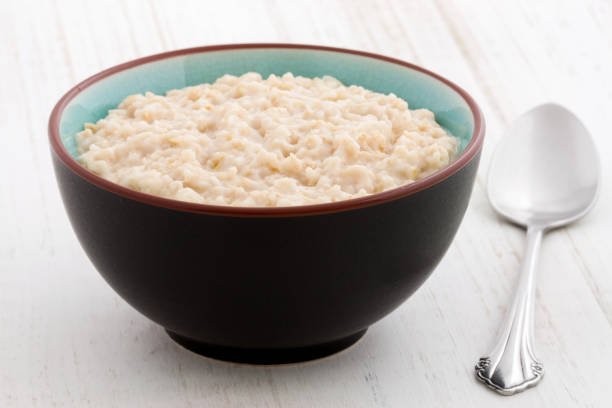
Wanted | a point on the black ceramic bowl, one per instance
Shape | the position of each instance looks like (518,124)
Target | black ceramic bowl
(266,285)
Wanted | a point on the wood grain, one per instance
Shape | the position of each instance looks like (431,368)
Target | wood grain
(66,339)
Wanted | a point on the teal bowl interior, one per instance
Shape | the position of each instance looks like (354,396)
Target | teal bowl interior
(415,87)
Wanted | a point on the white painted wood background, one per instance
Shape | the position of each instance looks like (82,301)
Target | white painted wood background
(66,339)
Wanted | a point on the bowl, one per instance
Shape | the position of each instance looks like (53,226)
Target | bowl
(277,284)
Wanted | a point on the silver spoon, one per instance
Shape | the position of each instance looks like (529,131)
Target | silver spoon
(544,174)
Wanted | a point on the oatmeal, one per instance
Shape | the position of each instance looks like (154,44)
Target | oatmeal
(280,141)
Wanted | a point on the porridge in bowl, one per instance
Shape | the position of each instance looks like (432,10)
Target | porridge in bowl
(280,141)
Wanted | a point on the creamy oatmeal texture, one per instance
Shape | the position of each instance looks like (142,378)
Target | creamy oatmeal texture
(282,141)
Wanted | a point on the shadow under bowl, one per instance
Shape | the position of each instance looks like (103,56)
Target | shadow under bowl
(266,285)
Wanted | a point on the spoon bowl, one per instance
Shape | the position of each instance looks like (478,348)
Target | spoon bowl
(545,171)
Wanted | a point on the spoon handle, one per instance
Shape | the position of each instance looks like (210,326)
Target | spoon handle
(512,366)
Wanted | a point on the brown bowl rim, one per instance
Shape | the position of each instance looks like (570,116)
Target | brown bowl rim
(302,210)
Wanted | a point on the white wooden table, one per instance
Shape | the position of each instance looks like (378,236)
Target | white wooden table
(66,339)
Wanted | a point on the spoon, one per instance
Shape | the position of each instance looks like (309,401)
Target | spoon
(544,174)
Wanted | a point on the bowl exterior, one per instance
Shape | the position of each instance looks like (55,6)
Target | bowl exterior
(265,283)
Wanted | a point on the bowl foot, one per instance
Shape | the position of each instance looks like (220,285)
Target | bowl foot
(266,356)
